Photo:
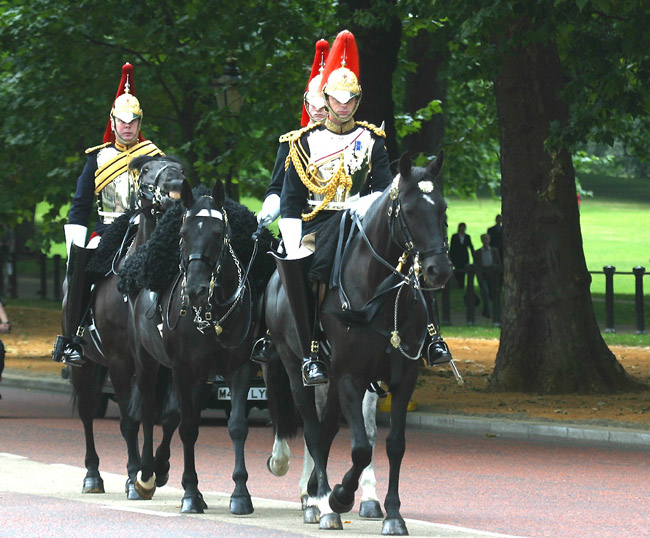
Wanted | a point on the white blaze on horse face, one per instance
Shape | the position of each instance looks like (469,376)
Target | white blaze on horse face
(429,200)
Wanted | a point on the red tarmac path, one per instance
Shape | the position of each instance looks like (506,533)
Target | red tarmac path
(523,488)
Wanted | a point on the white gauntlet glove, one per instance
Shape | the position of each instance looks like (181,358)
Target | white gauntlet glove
(291,230)
(361,206)
(270,210)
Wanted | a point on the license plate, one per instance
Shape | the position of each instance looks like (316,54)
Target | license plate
(254,393)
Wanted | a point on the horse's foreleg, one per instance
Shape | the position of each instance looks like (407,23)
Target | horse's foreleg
(121,380)
(82,382)
(312,515)
(307,469)
(144,390)
(188,430)
(395,448)
(370,507)
(278,462)
(240,500)
(163,452)
(342,497)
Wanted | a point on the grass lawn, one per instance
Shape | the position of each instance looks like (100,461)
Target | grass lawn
(614,224)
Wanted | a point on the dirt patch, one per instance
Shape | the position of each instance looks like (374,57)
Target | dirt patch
(34,330)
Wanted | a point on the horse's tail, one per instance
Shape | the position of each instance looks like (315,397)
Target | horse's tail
(284,415)
(168,409)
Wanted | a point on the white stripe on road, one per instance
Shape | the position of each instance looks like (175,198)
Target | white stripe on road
(19,474)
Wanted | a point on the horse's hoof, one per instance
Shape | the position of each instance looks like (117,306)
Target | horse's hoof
(241,505)
(93,484)
(311,514)
(161,480)
(131,493)
(145,489)
(370,510)
(277,470)
(303,502)
(192,505)
(340,501)
(331,522)
(394,527)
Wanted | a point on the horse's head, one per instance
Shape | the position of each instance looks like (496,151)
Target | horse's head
(160,180)
(204,236)
(418,218)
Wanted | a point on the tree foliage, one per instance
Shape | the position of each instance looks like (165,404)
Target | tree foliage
(61,65)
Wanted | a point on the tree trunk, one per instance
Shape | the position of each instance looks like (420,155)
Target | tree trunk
(378,49)
(424,86)
(550,340)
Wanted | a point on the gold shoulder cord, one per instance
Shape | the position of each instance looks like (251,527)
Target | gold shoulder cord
(310,178)
(373,128)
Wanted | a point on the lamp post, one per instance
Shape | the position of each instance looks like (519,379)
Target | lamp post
(229,101)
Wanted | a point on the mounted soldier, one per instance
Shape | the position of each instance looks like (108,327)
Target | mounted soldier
(332,164)
(105,179)
(313,111)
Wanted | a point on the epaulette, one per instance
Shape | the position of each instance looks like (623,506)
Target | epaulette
(295,135)
(371,127)
(95,148)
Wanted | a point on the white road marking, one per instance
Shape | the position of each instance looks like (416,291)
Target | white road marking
(18,474)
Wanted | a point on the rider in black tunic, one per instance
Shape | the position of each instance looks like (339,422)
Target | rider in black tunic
(106,180)
(331,165)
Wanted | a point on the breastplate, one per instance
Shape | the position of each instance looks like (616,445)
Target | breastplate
(119,195)
(351,151)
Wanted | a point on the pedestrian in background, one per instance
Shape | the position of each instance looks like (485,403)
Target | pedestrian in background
(459,250)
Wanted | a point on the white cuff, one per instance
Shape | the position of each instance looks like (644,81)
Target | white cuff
(291,230)
(74,233)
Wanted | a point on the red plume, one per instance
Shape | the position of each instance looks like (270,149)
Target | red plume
(322,50)
(127,75)
(344,52)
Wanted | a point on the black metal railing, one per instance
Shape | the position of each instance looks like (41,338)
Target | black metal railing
(495,278)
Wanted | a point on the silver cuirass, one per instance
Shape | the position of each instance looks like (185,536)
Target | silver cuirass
(119,195)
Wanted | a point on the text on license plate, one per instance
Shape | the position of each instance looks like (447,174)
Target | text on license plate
(254,393)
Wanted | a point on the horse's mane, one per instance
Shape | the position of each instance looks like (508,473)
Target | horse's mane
(102,260)
(154,265)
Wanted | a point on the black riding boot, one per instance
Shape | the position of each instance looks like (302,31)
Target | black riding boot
(68,348)
(291,273)
(437,350)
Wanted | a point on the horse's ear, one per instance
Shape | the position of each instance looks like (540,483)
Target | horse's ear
(435,167)
(405,165)
(187,198)
(218,193)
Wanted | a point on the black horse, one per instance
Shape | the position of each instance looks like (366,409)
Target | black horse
(375,318)
(105,326)
(202,323)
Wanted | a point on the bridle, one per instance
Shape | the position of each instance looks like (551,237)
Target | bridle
(402,237)
(203,316)
(397,225)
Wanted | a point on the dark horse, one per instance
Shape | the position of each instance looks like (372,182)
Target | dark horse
(375,318)
(105,346)
(215,337)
